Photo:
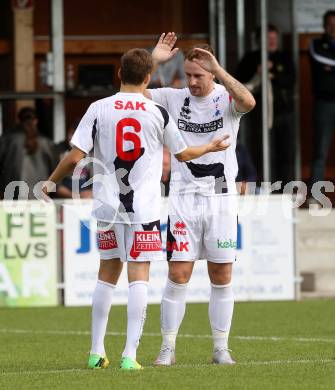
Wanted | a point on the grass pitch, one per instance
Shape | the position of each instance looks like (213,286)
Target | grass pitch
(278,345)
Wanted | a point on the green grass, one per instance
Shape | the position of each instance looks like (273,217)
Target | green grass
(302,358)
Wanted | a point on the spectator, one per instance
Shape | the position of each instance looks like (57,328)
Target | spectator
(281,74)
(322,55)
(246,168)
(170,73)
(24,154)
(64,189)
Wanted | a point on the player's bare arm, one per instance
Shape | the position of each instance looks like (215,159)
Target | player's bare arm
(192,152)
(244,101)
(65,166)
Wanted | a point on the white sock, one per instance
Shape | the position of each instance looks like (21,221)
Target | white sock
(136,310)
(220,310)
(172,311)
(101,304)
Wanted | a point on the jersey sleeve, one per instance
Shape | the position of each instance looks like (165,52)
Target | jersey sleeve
(228,105)
(160,96)
(236,114)
(83,137)
(172,138)
(169,133)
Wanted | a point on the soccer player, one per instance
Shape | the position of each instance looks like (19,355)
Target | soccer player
(202,205)
(127,132)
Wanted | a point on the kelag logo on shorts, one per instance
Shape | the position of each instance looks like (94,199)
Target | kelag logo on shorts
(229,243)
(225,244)
(148,241)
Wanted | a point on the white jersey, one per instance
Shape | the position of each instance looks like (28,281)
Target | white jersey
(127,132)
(201,119)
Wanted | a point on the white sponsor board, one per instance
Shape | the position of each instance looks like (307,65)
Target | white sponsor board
(81,257)
(264,269)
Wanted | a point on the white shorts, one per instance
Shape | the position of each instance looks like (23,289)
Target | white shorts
(137,242)
(202,227)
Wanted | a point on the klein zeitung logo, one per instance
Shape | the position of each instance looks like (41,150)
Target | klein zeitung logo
(107,240)
(148,241)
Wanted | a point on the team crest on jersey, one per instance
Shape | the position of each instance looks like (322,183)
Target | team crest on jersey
(179,228)
(147,241)
(217,111)
(107,240)
(185,110)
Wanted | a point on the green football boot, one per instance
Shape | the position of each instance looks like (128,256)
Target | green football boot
(128,363)
(96,362)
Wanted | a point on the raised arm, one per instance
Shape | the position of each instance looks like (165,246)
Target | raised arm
(162,52)
(244,101)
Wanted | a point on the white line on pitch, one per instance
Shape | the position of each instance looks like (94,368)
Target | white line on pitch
(250,363)
(145,334)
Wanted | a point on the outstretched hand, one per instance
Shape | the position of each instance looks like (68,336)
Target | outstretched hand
(219,144)
(206,60)
(163,50)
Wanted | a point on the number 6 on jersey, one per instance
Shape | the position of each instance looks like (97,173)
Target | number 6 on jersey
(128,155)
